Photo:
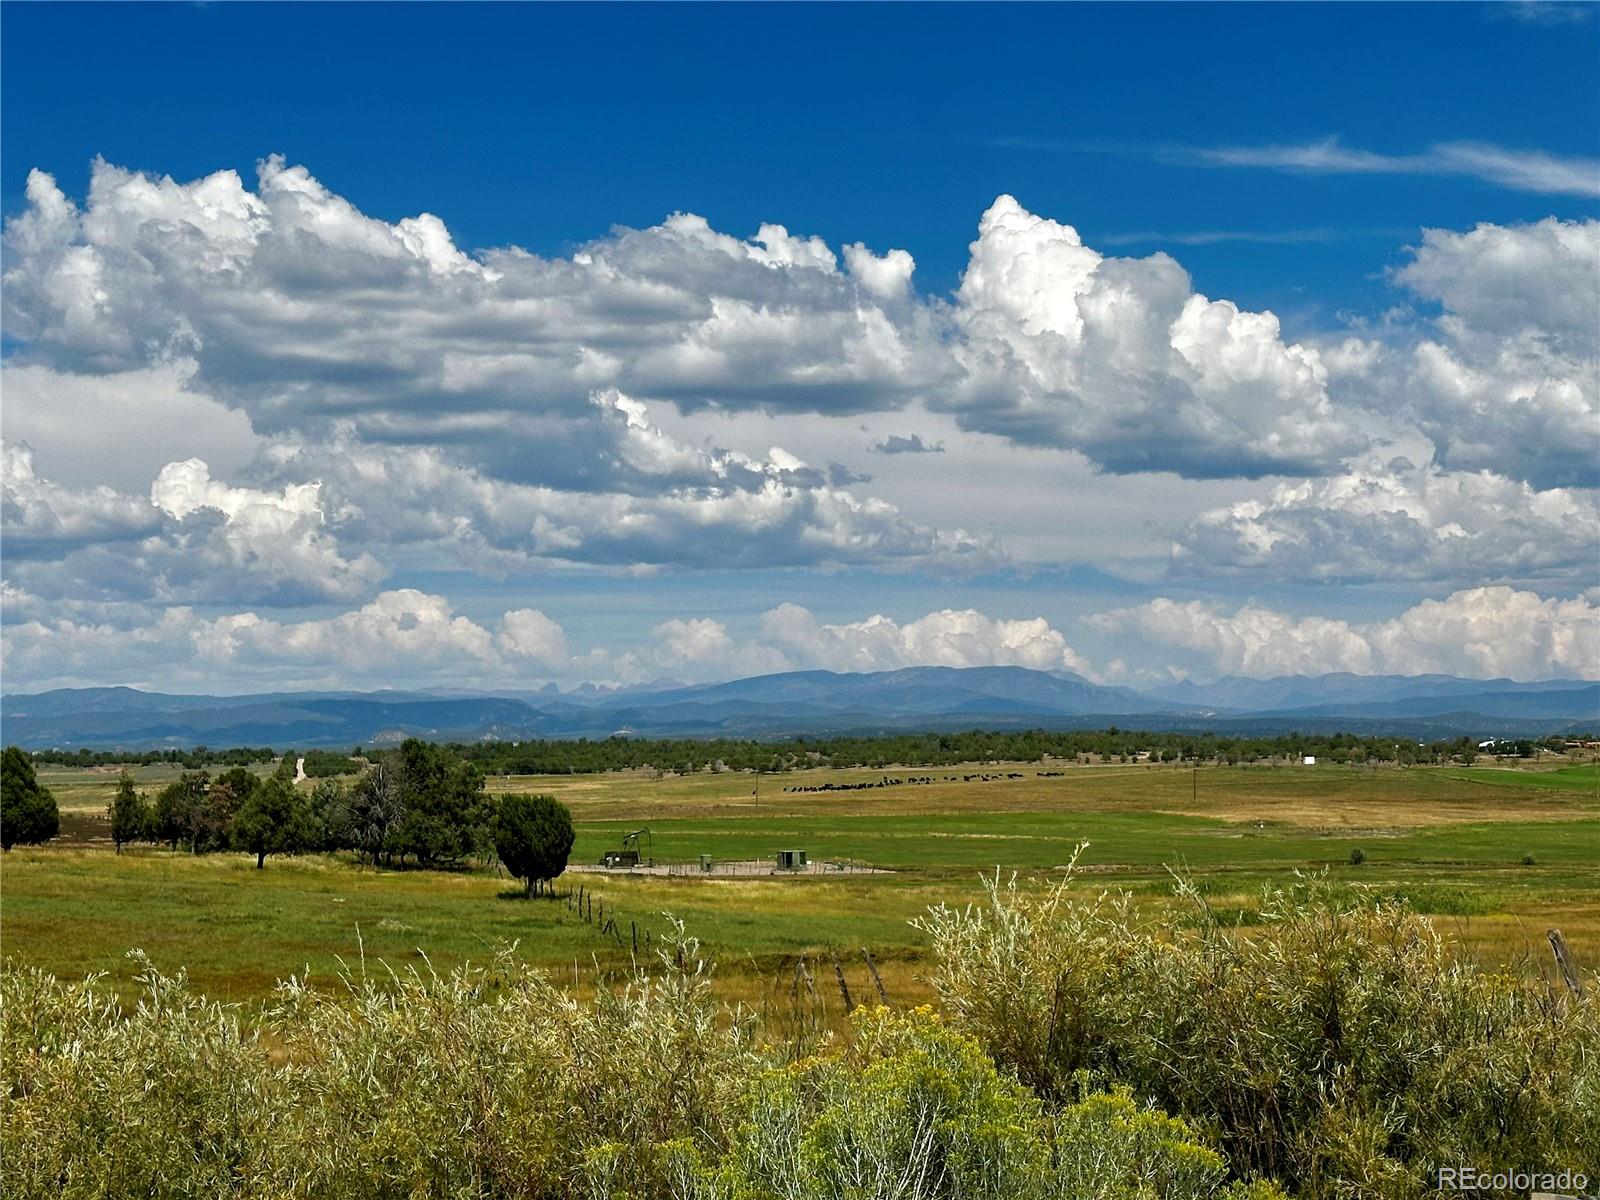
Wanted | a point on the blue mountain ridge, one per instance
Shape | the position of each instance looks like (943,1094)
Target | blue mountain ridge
(803,702)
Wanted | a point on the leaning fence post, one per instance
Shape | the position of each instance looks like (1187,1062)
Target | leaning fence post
(883,996)
(1558,947)
(844,988)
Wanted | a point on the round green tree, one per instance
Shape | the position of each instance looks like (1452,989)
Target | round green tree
(28,813)
(533,836)
(276,819)
(129,813)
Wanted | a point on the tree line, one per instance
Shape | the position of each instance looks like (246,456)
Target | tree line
(583,756)
(686,755)
(198,756)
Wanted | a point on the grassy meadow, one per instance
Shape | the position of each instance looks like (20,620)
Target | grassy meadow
(1452,840)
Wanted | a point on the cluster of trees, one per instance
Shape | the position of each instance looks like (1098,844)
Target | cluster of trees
(419,804)
(237,810)
(28,812)
(325,764)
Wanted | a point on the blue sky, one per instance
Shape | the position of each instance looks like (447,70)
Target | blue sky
(1417,429)
(543,126)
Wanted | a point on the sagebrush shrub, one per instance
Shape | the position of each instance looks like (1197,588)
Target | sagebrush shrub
(168,1100)
(1336,1044)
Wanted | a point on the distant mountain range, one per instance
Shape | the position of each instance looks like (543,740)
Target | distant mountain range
(813,703)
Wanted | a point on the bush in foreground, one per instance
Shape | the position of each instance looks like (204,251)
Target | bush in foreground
(1337,1045)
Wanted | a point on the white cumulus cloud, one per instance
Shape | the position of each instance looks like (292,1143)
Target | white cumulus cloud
(1476,632)
(715,510)
(400,636)
(193,540)
(1394,520)
(1509,379)
(948,638)
(414,405)
(1122,359)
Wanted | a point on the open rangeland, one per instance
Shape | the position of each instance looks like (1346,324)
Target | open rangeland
(1498,856)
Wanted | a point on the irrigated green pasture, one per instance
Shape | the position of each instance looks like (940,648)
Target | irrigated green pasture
(1453,840)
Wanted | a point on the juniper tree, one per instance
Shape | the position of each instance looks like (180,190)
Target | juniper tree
(129,813)
(28,813)
(533,836)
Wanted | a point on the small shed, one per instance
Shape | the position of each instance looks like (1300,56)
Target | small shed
(791,860)
(1310,760)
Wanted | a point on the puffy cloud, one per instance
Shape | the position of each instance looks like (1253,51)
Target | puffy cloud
(887,277)
(1492,631)
(1252,641)
(500,377)
(791,638)
(48,649)
(45,519)
(1395,520)
(1511,381)
(304,312)
(275,537)
(407,636)
(299,308)
(410,637)
(948,638)
(737,512)
(526,633)
(494,410)
(193,540)
(403,635)
(702,647)
(693,641)
(1477,632)
(405,625)
(1122,359)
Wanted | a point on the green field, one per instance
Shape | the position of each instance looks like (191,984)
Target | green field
(1452,840)
(1586,776)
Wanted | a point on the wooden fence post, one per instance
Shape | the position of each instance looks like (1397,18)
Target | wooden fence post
(1558,947)
(844,988)
(883,996)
